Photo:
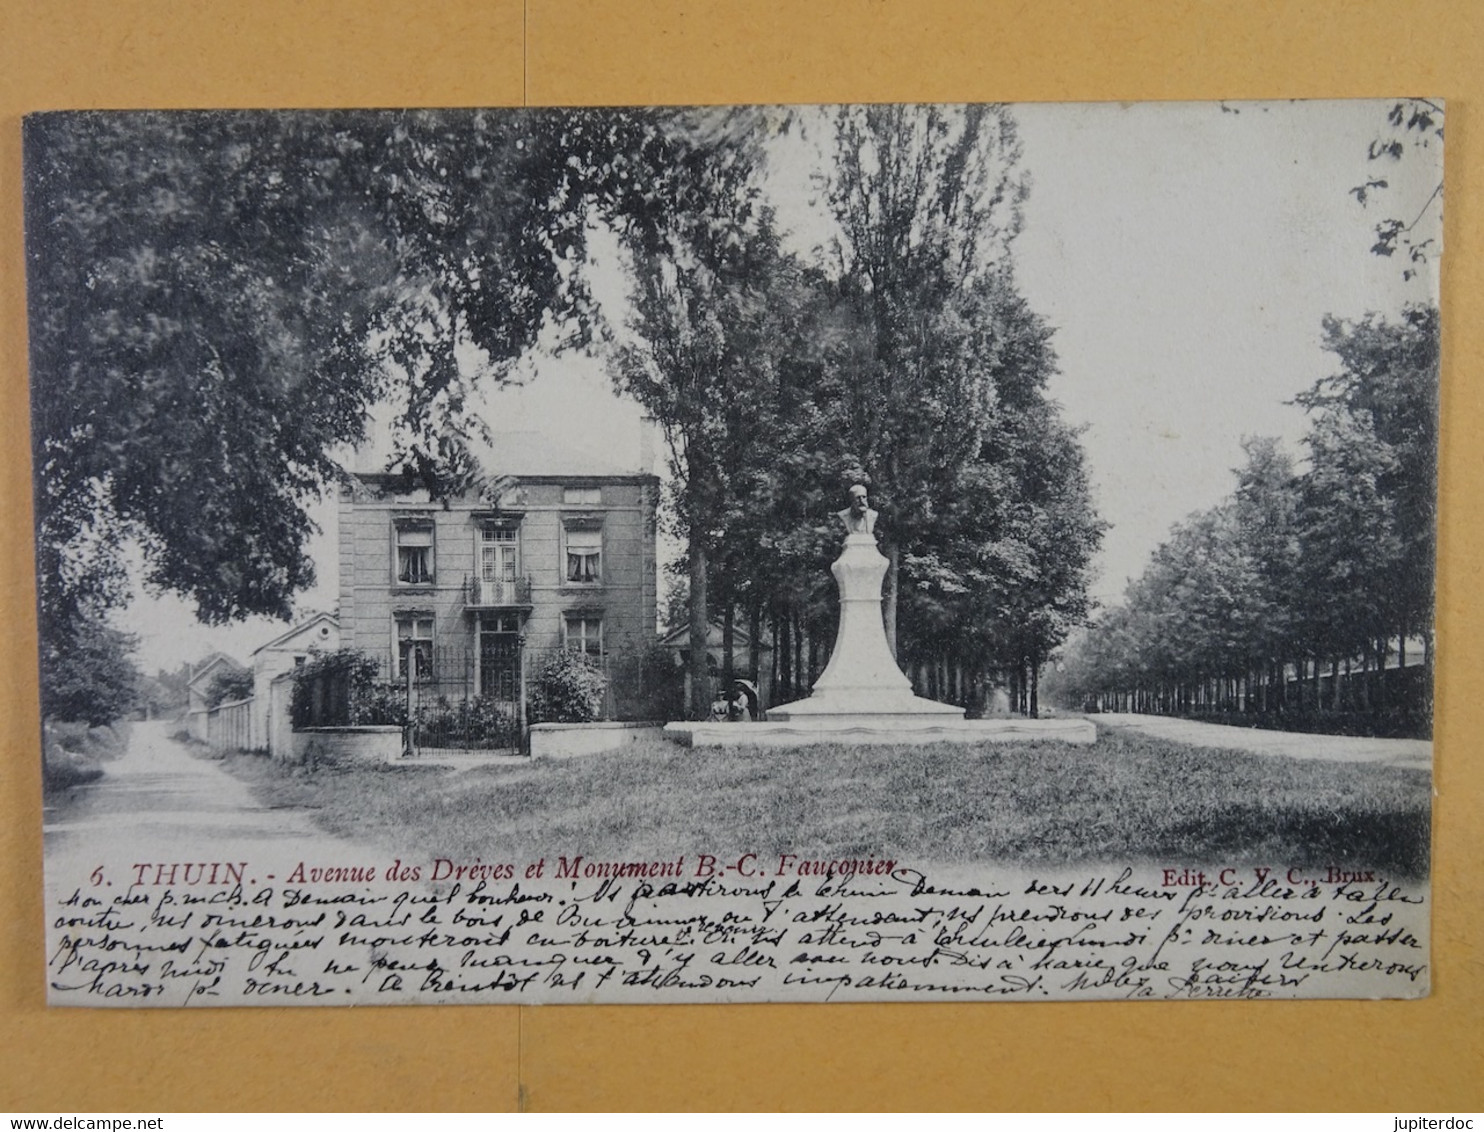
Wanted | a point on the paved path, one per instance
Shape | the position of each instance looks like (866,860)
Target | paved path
(157,802)
(1414,753)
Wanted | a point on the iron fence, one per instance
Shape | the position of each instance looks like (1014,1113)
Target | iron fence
(484,698)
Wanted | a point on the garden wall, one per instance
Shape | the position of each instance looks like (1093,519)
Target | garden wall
(361,744)
(567,740)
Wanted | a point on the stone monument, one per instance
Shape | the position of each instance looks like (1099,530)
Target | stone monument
(862,696)
(862,679)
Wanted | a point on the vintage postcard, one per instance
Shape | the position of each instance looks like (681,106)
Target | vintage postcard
(840,553)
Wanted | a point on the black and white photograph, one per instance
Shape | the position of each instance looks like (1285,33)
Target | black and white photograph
(733,554)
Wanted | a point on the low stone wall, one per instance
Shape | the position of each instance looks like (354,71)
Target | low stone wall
(568,740)
(882,729)
(363,744)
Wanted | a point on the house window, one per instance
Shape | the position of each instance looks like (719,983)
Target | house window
(414,645)
(500,623)
(584,557)
(583,496)
(584,634)
(499,554)
(415,554)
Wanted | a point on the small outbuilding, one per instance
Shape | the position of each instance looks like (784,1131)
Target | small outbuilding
(279,657)
(198,705)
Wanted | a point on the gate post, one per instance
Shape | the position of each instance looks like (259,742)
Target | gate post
(520,657)
(409,666)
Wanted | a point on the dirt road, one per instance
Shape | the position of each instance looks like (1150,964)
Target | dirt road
(159,803)
(1413,753)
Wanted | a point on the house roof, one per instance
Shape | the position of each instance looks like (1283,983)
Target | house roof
(210,665)
(302,626)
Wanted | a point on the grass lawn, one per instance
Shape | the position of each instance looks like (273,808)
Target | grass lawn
(1126,798)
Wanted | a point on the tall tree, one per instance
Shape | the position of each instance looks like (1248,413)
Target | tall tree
(1385,401)
(219,299)
(1331,565)
(927,201)
(997,576)
(1265,509)
(709,322)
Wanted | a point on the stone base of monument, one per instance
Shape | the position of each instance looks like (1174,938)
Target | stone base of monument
(875,729)
(876,702)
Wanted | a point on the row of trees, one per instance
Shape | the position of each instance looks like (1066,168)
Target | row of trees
(904,359)
(1301,577)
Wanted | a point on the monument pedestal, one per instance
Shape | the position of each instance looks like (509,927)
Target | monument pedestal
(862,696)
(862,680)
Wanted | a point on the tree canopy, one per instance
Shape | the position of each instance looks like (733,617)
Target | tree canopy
(218,299)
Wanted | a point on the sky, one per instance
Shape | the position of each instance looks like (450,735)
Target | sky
(1184,253)
(1187,255)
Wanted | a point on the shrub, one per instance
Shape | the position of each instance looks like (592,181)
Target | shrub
(86,673)
(228,686)
(381,705)
(62,767)
(340,689)
(648,685)
(568,688)
(481,721)
(107,742)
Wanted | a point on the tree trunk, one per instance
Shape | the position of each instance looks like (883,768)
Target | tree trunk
(728,643)
(801,674)
(889,601)
(1427,672)
(700,681)
(754,646)
(780,695)
(783,642)
(1383,648)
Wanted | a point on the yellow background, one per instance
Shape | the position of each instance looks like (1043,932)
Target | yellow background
(277,53)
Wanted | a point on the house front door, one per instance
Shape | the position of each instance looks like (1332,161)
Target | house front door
(499,657)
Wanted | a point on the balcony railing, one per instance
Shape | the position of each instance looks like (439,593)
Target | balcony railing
(483,593)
